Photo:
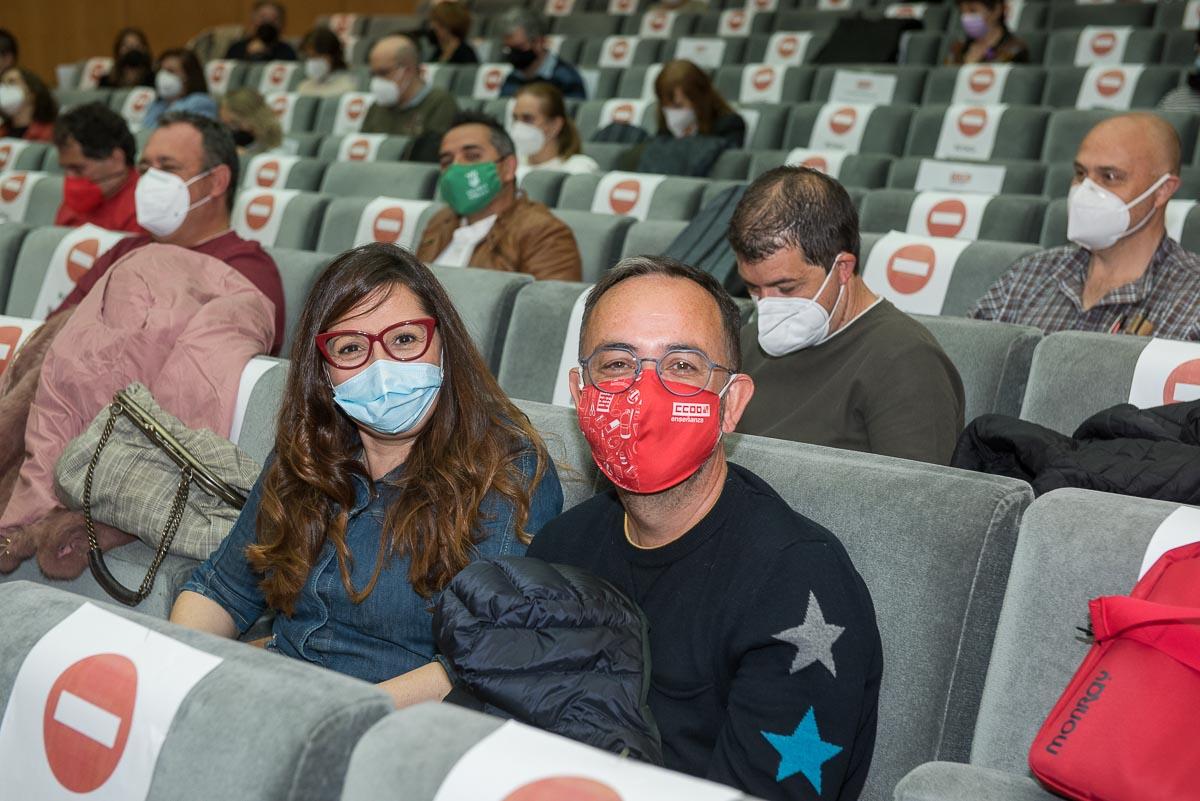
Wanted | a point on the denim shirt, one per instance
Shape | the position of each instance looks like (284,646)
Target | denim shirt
(391,631)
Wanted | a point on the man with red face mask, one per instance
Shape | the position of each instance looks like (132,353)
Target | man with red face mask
(96,153)
(765,653)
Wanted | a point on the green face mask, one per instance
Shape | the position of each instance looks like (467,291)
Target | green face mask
(468,188)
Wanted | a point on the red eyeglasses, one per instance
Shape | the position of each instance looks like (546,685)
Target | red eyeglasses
(402,341)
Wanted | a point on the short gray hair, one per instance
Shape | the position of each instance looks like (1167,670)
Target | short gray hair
(217,142)
(531,22)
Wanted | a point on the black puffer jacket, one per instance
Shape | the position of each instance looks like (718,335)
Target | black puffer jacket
(1148,453)
(551,646)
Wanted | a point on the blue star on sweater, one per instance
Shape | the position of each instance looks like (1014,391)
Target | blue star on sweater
(802,751)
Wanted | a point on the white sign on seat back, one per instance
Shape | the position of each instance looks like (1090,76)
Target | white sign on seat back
(622,8)
(840,126)
(283,104)
(93,70)
(981,84)
(554,43)
(905,11)
(626,112)
(913,272)
(832,5)
(762,83)
(391,220)
(217,74)
(360,147)
(269,171)
(74,256)
(276,76)
(826,161)
(617,51)
(957,176)
(788,48)
(10,151)
(735,22)
(1177,213)
(351,111)
(1109,86)
(1191,16)
(13,333)
(657,25)
(1101,45)
(257,214)
(16,187)
(136,103)
(1167,371)
(91,706)
(946,214)
(762,5)
(255,369)
(489,79)
(628,193)
(559,8)
(854,86)
(1012,13)
(969,132)
(1182,527)
(522,763)
(570,353)
(705,52)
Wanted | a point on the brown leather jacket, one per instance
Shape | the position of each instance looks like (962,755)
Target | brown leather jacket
(526,238)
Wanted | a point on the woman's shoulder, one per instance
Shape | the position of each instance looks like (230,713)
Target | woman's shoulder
(579,163)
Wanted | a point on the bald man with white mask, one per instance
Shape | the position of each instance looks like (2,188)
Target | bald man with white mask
(404,104)
(1122,273)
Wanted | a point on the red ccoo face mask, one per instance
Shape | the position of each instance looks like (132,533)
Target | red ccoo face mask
(647,439)
(81,195)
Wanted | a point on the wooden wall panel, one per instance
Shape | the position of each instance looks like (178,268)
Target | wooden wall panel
(59,31)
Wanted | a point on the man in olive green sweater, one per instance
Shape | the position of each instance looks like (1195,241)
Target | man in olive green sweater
(833,363)
(404,104)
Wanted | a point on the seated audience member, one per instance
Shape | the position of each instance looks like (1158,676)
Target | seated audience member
(414,465)
(9,50)
(1185,98)
(524,35)
(253,123)
(544,133)
(27,107)
(449,25)
(405,105)
(833,364)
(267,22)
(96,152)
(325,70)
(987,38)
(184,197)
(181,87)
(132,62)
(486,222)
(763,640)
(1123,273)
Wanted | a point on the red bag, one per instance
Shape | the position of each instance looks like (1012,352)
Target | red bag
(1127,728)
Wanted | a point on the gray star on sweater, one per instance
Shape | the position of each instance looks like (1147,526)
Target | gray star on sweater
(813,638)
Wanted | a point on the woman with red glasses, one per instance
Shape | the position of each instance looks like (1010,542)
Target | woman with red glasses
(398,461)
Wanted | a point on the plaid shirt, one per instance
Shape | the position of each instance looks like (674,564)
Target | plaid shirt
(1045,290)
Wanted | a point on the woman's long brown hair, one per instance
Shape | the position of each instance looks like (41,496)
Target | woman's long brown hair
(697,87)
(554,107)
(470,447)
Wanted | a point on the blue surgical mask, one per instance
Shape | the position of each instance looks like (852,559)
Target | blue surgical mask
(390,397)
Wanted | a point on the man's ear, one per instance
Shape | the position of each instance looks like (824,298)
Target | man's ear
(846,264)
(508,169)
(221,177)
(737,398)
(575,381)
(1163,194)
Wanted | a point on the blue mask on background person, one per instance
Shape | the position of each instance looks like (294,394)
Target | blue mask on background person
(390,397)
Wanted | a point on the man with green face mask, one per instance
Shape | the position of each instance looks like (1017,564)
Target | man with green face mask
(487,223)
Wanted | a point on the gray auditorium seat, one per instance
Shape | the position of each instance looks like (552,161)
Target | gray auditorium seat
(599,237)
(543,186)
(674,199)
(765,124)
(533,345)
(1054,227)
(1063,84)
(992,359)
(484,300)
(862,170)
(342,217)
(651,237)
(1019,134)
(262,171)
(1023,87)
(732,165)
(392,148)
(645,51)
(1075,374)
(910,80)
(1020,177)
(886,131)
(433,738)
(409,180)
(1179,47)
(316,716)
(1008,218)
(299,227)
(29,269)
(1144,47)
(585,24)
(796,87)
(298,269)
(12,234)
(1068,127)
(947,551)
(31,155)
(45,198)
(1068,15)
(1074,545)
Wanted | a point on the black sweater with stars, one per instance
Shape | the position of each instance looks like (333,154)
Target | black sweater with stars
(766,657)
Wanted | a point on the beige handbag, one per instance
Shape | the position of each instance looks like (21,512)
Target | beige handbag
(136,464)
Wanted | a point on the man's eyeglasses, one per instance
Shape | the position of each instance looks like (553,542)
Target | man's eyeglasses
(403,342)
(684,372)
